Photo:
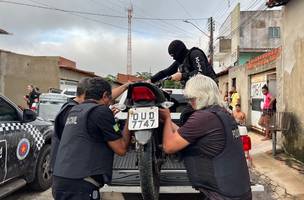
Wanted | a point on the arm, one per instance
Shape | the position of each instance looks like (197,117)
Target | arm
(172,141)
(108,131)
(116,92)
(166,72)
(272,99)
(244,118)
(120,146)
(199,64)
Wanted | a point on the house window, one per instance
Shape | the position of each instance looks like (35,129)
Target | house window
(274,32)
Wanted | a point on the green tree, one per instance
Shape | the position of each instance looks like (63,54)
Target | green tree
(110,78)
(144,75)
(172,84)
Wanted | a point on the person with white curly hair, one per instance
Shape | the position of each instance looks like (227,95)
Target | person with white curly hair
(210,144)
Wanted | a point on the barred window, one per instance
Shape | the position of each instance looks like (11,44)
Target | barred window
(274,32)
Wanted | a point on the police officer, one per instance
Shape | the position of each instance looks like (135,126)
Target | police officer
(210,144)
(187,64)
(86,150)
(62,116)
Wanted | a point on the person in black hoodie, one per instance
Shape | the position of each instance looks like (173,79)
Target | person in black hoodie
(188,63)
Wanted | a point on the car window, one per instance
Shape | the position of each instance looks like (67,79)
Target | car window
(7,112)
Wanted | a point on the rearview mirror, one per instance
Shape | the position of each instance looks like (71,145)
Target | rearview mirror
(29,115)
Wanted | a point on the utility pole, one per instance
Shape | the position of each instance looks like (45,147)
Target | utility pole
(129,52)
(211,29)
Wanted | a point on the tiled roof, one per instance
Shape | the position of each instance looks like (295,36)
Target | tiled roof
(87,73)
(124,78)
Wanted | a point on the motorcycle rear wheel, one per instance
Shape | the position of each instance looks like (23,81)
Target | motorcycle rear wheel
(149,171)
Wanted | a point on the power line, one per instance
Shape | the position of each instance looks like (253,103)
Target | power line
(164,22)
(261,9)
(227,28)
(159,25)
(99,3)
(99,21)
(104,5)
(84,17)
(221,11)
(117,4)
(171,19)
(253,4)
(97,14)
(225,11)
(187,13)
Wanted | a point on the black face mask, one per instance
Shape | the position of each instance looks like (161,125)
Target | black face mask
(177,49)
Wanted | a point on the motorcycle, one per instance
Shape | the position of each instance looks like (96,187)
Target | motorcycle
(143,102)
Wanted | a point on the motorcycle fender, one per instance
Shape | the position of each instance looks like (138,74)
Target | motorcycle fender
(143,136)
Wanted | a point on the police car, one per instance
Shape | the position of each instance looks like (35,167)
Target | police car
(25,144)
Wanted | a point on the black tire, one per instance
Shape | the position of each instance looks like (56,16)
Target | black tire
(149,172)
(43,175)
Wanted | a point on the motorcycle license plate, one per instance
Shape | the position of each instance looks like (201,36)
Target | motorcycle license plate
(143,118)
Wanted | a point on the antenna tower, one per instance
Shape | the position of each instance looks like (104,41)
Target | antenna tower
(129,52)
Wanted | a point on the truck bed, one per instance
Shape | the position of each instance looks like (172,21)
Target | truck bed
(125,172)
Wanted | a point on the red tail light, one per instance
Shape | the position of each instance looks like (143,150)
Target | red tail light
(246,142)
(142,93)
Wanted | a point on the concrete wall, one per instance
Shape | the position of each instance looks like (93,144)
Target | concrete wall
(242,85)
(225,60)
(66,74)
(291,76)
(249,32)
(235,34)
(223,79)
(254,29)
(18,71)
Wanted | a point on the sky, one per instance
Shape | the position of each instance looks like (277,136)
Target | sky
(98,43)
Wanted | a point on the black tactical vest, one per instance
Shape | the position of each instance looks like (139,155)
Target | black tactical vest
(227,174)
(187,66)
(79,155)
(57,132)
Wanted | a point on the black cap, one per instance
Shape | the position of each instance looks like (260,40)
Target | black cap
(176,49)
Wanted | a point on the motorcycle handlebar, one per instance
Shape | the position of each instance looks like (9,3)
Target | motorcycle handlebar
(167,78)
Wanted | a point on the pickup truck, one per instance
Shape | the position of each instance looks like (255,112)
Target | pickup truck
(173,177)
(25,143)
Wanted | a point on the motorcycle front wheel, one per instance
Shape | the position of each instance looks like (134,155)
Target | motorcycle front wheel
(149,171)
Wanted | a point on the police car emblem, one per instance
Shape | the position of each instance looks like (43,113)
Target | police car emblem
(23,148)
